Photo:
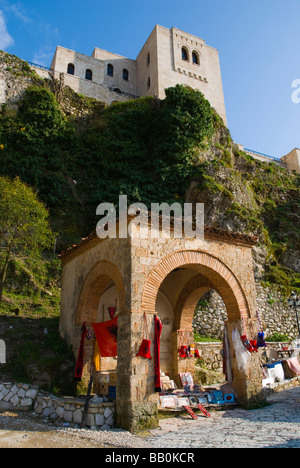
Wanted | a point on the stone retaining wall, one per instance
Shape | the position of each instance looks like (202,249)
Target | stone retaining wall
(275,314)
(100,413)
(23,397)
(211,354)
(18,396)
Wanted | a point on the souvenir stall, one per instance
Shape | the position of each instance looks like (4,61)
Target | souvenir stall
(181,392)
(280,364)
(98,352)
(163,282)
(189,395)
(97,355)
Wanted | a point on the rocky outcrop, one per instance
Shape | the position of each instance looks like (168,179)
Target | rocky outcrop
(15,76)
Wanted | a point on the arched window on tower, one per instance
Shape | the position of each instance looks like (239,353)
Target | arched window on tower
(88,74)
(71,69)
(196,59)
(185,54)
(110,70)
(125,74)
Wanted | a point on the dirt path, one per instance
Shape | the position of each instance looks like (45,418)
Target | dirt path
(19,430)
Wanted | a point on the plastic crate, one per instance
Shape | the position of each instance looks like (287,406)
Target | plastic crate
(112,392)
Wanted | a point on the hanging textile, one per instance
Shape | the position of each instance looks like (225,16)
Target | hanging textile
(146,343)
(97,357)
(294,365)
(80,358)
(261,343)
(157,335)
(106,336)
(227,371)
(245,340)
(242,354)
(184,345)
(112,311)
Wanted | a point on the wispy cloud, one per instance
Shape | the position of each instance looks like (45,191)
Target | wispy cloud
(16,9)
(43,56)
(6,40)
(41,35)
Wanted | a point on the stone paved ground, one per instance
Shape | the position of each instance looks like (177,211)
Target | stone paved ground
(274,426)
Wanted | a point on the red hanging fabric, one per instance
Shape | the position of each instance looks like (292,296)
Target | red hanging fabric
(245,340)
(80,358)
(157,335)
(106,336)
(112,312)
(146,343)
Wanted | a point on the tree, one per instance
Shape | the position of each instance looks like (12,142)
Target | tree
(42,138)
(24,226)
(40,111)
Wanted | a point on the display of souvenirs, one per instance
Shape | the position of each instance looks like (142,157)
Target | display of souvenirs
(187,348)
(187,379)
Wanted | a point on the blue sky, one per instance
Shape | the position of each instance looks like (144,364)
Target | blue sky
(258,42)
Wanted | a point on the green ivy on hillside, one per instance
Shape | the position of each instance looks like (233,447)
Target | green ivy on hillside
(142,148)
(153,151)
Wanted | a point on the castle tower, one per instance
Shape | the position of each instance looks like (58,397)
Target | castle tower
(169,57)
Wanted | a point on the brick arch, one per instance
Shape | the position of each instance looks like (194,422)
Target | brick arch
(217,272)
(188,300)
(96,282)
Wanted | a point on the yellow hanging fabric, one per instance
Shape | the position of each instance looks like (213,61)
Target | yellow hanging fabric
(97,357)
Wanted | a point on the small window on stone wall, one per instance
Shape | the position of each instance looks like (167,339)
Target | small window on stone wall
(71,69)
(110,70)
(148,82)
(185,54)
(196,60)
(89,75)
(125,74)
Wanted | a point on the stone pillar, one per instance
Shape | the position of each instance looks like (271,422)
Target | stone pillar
(137,403)
(246,374)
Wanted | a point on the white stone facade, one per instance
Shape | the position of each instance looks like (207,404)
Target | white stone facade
(292,160)
(169,57)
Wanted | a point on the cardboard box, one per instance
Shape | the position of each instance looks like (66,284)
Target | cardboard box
(104,388)
(168,401)
(104,377)
(168,385)
(113,379)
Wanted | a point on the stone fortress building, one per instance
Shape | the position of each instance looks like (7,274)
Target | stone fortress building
(168,57)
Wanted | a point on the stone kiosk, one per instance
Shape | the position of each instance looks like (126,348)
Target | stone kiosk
(164,277)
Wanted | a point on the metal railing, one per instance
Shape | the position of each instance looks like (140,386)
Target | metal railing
(247,150)
(39,66)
